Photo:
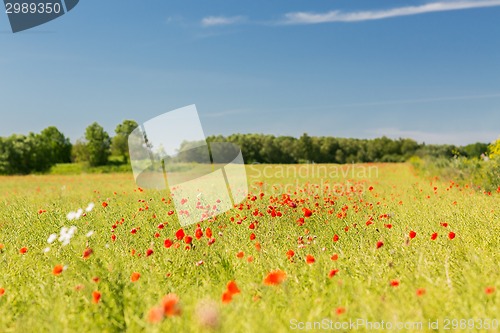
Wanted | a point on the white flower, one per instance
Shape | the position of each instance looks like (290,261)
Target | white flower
(66,234)
(63,234)
(90,233)
(47,249)
(52,238)
(72,230)
(90,207)
(71,216)
(79,213)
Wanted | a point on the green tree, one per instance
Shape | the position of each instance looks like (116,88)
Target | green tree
(305,149)
(119,146)
(58,146)
(97,145)
(79,152)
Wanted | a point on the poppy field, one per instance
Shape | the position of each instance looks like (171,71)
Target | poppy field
(312,246)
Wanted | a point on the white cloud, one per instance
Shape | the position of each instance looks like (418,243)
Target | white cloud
(211,21)
(339,16)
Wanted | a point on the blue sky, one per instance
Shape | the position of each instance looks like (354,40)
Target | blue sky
(420,69)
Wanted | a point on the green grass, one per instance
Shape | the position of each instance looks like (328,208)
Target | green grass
(454,273)
(82,168)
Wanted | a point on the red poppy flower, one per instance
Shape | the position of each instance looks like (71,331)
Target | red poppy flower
(58,269)
(240,254)
(340,310)
(275,278)
(96,296)
(451,235)
(105,204)
(227,297)
(208,233)
(188,239)
(307,212)
(332,273)
(394,283)
(434,236)
(233,288)
(412,234)
(420,292)
(198,233)
(87,253)
(290,254)
(2,291)
(310,259)
(135,276)
(167,243)
(23,250)
(444,224)
(334,257)
(335,238)
(170,305)
(380,244)
(180,234)
(149,252)
(252,236)
(489,290)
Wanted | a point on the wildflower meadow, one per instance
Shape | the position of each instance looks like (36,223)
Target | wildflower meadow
(374,246)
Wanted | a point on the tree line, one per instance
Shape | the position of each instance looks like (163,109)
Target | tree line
(260,148)
(38,152)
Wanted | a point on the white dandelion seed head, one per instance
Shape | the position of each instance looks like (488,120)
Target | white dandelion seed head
(90,233)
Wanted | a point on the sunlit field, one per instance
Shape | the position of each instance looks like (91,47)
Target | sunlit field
(313,246)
